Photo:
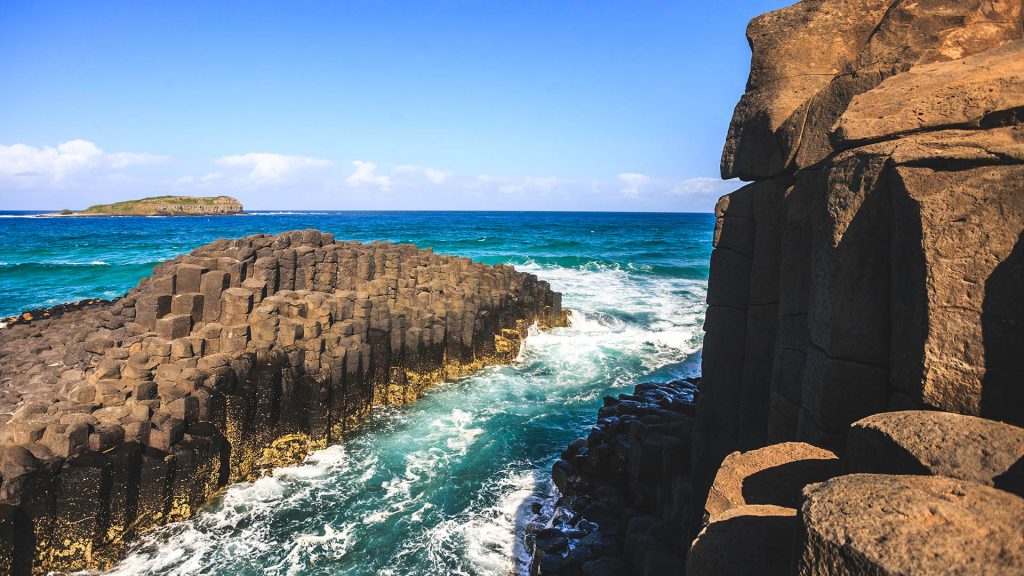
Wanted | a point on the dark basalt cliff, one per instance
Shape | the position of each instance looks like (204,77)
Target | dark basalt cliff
(242,355)
(865,317)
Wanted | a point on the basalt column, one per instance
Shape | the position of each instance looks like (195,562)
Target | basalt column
(875,261)
(240,356)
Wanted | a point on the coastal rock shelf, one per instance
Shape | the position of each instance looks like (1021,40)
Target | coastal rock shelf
(240,356)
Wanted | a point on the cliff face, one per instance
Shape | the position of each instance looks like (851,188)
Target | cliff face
(242,355)
(168,206)
(875,264)
(862,390)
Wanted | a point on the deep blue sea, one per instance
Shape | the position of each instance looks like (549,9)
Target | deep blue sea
(443,486)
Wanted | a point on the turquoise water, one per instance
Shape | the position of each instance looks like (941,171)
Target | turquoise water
(444,486)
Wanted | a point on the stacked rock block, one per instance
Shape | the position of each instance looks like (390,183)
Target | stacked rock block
(240,356)
(625,489)
(915,493)
(876,262)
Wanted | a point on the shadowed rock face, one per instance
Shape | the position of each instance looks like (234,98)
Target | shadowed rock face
(812,58)
(240,356)
(940,444)
(872,264)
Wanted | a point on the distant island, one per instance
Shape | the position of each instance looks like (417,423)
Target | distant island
(164,206)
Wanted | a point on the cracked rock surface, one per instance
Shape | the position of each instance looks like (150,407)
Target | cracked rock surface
(239,356)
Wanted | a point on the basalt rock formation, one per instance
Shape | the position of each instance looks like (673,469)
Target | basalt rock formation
(876,263)
(242,355)
(865,311)
(625,489)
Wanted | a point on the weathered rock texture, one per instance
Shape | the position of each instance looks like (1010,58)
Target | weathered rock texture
(773,475)
(879,524)
(877,262)
(940,444)
(625,489)
(751,540)
(242,355)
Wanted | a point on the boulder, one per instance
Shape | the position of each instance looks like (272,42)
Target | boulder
(939,444)
(909,525)
(773,475)
(750,540)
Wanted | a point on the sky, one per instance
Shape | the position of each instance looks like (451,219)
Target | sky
(364,105)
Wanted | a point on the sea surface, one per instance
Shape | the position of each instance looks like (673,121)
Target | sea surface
(444,486)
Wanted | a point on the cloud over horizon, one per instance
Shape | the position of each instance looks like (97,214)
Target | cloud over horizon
(48,167)
(79,172)
(433,175)
(267,167)
(366,175)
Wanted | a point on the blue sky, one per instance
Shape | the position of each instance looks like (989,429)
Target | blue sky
(371,105)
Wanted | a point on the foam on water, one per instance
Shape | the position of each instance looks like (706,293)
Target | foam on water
(444,486)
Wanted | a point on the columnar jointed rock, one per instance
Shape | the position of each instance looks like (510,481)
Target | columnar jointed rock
(878,260)
(236,357)
(749,524)
(876,263)
(940,444)
(909,525)
(750,540)
(625,489)
(773,475)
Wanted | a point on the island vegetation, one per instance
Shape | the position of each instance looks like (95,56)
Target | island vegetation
(165,206)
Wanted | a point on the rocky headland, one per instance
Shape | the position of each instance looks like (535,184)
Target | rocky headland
(861,397)
(116,417)
(164,206)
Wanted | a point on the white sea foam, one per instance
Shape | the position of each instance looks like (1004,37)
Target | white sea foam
(431,488)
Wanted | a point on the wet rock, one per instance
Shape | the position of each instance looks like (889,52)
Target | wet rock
(625,485)
(551,540)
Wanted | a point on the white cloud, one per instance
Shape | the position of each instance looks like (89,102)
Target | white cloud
(78,173)
(266,167)
(632,182)
(365,175)
(22,165)
(434,175)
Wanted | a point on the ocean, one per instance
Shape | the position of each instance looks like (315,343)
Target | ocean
(446,485)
